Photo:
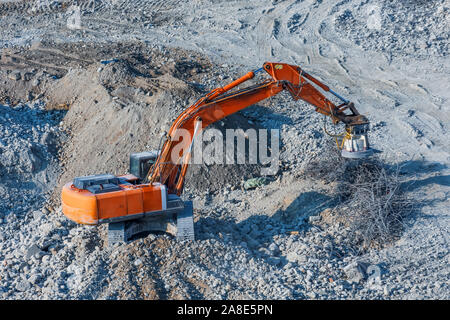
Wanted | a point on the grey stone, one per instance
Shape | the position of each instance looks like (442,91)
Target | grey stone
(37,215)
(274,248)
(356,271)
(292,256)
(23,286)
(265,251)
(33,251)
(35,278)
(309,276)
(276,261)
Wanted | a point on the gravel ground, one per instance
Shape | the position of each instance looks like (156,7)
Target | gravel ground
(271,242)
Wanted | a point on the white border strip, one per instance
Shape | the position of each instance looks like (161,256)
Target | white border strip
(163,196)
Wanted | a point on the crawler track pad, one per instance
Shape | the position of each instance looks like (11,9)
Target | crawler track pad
(180,225)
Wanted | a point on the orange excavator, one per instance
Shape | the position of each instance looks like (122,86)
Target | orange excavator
(152,189)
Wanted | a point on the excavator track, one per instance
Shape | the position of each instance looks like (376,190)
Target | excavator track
(179,224)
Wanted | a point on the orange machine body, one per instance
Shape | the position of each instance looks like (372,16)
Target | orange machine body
(130,202)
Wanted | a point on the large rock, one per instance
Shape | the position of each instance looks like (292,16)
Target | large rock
(15,75)
(23,286)
(356,271)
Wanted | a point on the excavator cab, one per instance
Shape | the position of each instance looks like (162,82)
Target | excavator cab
(141,162)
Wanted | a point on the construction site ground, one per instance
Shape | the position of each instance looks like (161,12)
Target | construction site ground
(78,101)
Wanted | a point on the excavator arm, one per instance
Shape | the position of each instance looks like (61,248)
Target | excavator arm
(170,167)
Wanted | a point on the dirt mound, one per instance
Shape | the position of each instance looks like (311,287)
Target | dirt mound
(106,126)
(124,105)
